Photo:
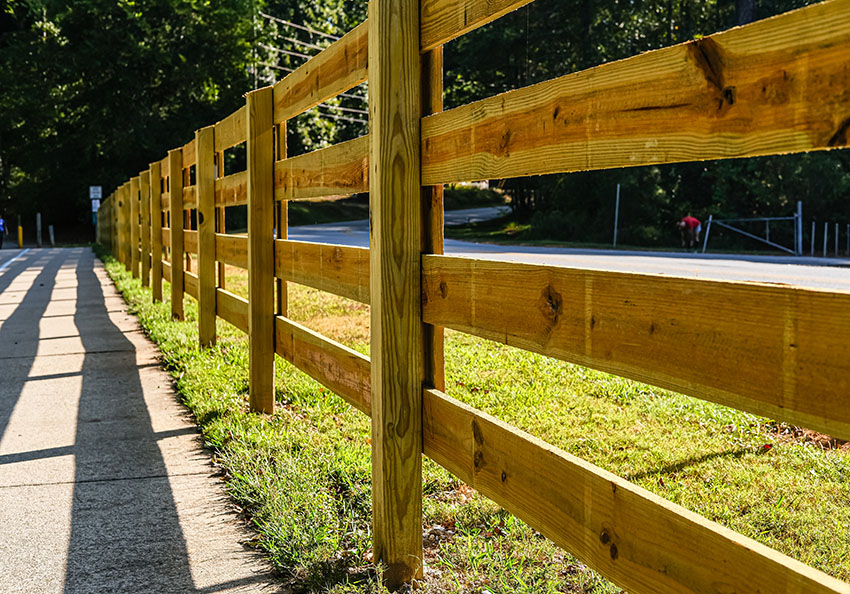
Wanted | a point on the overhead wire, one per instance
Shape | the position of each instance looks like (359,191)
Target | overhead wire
(297,26)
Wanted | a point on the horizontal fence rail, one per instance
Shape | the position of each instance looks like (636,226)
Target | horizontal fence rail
(771,87)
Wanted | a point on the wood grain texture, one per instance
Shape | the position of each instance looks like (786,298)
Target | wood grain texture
(432,221)
(444,20)
(341,369)
(190,282)
(144,191)
(281,216)
(775,86)
(156,230)
(338,170)
(396,326)
(232,308)
(337,269)
(190,201)
(636,539)
(260,148)
(338,68)
(166,237)
(134,231)
(205,188)
(189,159)
(166,271)
(232,190)
(776,351)
(175,235)
(190,241)
(121,241)
(165,201)
(231,130)
(232,250)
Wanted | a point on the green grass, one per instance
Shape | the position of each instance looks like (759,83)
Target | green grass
(302,475)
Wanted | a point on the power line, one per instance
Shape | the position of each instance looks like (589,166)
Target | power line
(304,43)
(297,26)
(348,109)
(283,51)
(344,118)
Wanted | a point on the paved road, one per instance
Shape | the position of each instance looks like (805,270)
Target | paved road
(823,273)
(104,485)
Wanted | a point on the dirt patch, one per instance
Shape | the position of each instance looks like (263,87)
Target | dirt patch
(790,433)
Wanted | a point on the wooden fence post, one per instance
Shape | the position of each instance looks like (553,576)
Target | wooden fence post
(113,243)
(281,216)
(432,219)
(156,230)
(397,338)
(134,226)
(205,201)
(175,193)
(123,231)
(260,145)
(144,188)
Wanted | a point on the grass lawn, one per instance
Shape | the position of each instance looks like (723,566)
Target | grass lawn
(302,475)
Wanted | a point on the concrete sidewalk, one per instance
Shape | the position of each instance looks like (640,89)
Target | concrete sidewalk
(104,485)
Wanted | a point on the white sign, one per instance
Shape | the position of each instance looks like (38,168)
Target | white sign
(95,192)
(95,204)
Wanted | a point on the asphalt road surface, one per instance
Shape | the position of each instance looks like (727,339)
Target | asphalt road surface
(823,273)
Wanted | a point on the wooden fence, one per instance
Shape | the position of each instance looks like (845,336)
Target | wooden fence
(775,86)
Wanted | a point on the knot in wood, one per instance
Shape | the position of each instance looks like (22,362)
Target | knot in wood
(444,289)
(550,304)
(614,552)
(476,433)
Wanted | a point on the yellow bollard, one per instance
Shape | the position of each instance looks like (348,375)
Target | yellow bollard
(20,236)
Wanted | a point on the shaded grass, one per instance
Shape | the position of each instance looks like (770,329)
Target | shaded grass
(303,474)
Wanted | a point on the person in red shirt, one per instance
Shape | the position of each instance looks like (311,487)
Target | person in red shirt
(690,227)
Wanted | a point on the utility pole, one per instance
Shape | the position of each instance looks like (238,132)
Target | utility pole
(616,215)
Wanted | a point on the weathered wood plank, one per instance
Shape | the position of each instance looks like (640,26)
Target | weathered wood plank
(231,130)
(190,241)
(260,147)
(339,67)
(205,184)
(189,158)
(165,201)
(432,220)
(145,196)
(232,308)
(190,200)
(444,20)
(232,189)
(166,271)
(337,269)
(232,250)
(636,539)
(175,236)
(156,230)
(775,86)
(781,352)
(134,232)
(166,237)
(396,326)
(190,281)
(338,170)
(341,369)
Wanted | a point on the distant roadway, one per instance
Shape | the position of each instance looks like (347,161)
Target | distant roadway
(823,273)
